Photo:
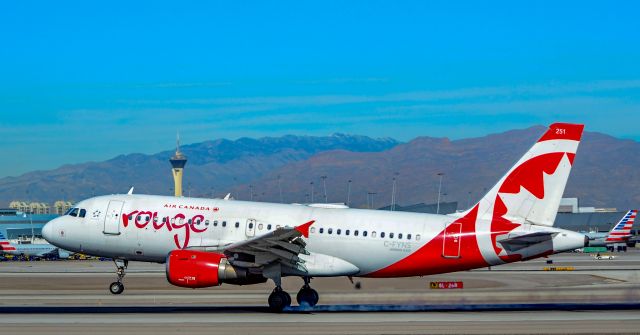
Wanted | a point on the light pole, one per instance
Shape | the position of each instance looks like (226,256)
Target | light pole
(440,174)
(370,195)
(393,192)
(250,192)
(348,192)
(324,185)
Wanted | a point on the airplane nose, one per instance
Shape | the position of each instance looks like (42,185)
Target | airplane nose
(47,231)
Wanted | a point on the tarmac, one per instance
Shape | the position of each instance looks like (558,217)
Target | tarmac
(582,296)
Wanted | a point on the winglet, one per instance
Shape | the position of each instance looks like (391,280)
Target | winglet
(130,191)
(304,228)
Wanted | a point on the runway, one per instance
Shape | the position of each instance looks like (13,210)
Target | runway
(597,297)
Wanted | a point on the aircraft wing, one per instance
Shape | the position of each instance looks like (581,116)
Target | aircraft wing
(518,242)
(279,247)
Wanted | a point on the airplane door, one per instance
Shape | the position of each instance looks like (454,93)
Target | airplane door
(250,230)
(112,219)
(452,240)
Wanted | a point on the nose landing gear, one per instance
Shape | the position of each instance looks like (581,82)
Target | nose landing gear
(121,265)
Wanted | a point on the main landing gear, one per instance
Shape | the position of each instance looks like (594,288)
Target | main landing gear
(306,297)
(121,265)
(279,299)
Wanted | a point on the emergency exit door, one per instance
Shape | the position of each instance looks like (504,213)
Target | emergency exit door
(250,229)
(452,240)
(112,219)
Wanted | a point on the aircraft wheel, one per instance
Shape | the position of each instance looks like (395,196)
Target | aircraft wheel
(279,300)
(307,296)
(116,287)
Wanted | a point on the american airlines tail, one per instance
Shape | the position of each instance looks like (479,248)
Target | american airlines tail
(531,190)
(5,245)
(622,230)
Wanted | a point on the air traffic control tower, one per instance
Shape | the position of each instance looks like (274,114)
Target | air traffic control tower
(177,163)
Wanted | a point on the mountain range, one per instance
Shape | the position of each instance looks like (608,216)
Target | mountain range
(358,168)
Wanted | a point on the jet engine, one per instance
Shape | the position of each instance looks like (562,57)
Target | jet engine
(197,269)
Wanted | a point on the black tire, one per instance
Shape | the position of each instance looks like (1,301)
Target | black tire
(307,296)
(279,300)
(116,287)
(287,298)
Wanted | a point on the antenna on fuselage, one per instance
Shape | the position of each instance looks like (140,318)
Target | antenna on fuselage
(130,191)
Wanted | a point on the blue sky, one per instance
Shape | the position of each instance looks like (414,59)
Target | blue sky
(83,81)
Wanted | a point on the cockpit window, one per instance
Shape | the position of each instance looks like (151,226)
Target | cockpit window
(73,212)
(83,212)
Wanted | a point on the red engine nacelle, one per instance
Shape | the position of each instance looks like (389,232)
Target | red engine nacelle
(195,269)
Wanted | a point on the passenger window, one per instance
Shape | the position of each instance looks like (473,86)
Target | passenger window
(381,235)
(165,219)
(155,219)
(417,237)
(408,236)
(206,222)
(251,225)
(198,221)
(313,229)
(321,230)
(215,223)
(373,234)
(237,224)
(260,226)
(269,227)
(330,231)
(346,232)
(390,235)
(224,223)
(355,233)
(364,233)
(173,220)
(400,236)
(130,217)
(83,212)
(338,232)
(189,221)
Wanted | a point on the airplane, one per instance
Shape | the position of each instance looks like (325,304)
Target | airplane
(620,233)
(207,242)
(37,250)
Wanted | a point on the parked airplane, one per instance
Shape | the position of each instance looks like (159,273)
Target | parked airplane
(207,242)
(38,250)
(620,233)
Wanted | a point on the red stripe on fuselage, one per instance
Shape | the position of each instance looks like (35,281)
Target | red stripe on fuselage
(429,259)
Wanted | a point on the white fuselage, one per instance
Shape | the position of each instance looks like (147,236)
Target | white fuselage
(133,227)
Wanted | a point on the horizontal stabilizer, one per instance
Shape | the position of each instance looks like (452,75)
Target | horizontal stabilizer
(513,243)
